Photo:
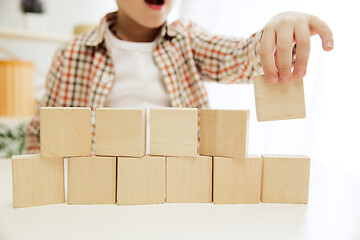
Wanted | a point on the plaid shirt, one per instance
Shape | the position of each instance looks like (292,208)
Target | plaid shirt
(82,71)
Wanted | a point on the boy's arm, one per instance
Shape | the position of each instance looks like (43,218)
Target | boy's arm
(32,138)
(237,60)
(225,59)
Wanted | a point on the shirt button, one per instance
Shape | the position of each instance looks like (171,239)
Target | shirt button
(105,78)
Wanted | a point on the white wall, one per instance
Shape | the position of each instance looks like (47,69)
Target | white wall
(62,14)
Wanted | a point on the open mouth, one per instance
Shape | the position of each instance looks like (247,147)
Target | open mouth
(155,2)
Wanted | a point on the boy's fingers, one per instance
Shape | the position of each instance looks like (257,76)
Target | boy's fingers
(284,45)
(267,47)
(302,38)
(317,26)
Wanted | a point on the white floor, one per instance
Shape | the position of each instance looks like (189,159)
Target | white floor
(333,212)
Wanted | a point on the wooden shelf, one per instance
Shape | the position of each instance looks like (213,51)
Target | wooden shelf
(27,35)
(14,120)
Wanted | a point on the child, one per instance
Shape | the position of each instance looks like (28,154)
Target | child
(135,59)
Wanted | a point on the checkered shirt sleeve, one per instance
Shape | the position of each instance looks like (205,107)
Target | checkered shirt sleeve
(224,59)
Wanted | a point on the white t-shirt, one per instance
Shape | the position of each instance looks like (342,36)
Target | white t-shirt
(138,82)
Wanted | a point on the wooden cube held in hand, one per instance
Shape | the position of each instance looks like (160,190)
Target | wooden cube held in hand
(65,132)
(92,180)
(37,181)
(285,179)
(189,179)
(237,180)
(141,180)
(223,133)
(173,131)
(278,101)
(120,132)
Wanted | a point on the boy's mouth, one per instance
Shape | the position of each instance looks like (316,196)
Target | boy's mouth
(155,4)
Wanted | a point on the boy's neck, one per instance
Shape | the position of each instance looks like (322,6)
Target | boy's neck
(129,30)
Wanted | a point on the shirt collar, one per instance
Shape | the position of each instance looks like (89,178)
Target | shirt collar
(96,37)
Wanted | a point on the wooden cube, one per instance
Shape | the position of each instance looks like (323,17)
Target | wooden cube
(141,180)
(277,101)
(173,131)
(237,180)
(189,179)
(120,132)
(285,179)
(92,180)
(37,181)
(65,132)
(223,133)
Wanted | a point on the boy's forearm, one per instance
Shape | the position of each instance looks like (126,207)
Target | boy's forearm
(224,59)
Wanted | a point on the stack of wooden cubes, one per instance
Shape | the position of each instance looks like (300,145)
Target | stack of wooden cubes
(175,171)
(120,171)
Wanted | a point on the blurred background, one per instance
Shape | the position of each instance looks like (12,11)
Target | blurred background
(329,134)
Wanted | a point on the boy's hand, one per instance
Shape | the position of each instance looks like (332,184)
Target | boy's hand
(278,39)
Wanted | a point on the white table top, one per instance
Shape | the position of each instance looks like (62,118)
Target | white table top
(333,212)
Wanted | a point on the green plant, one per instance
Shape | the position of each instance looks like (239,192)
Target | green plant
(12,140)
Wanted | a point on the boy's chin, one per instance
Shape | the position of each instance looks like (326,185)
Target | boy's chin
(153,24)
